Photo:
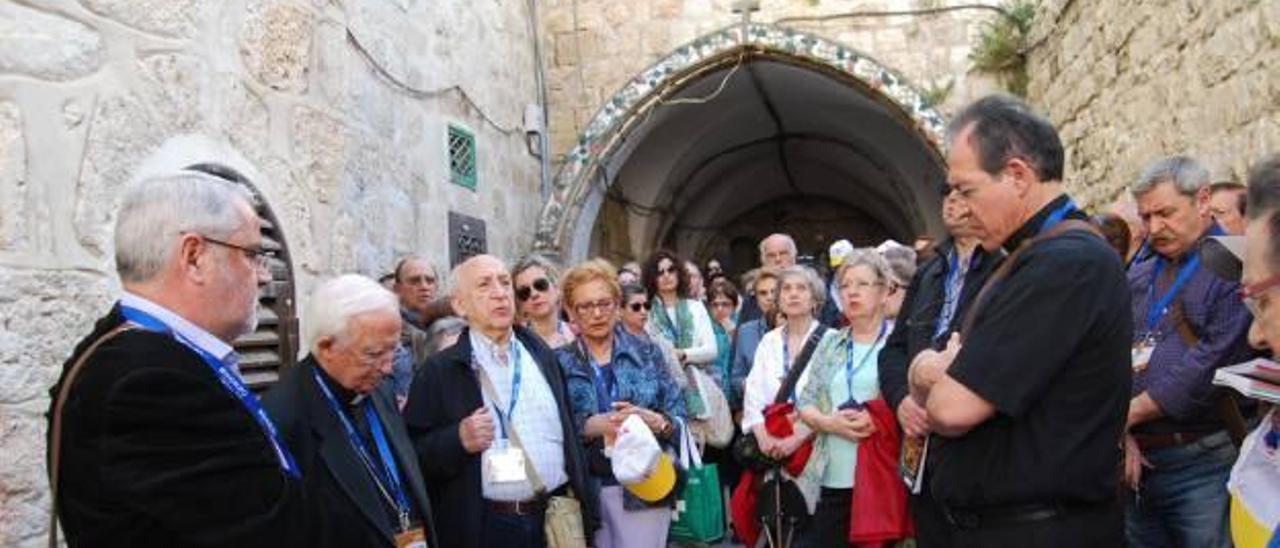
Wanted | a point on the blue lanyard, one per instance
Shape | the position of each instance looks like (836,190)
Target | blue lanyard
(1156,310)
(229,381)
(605,383)
(951,292)
(389,475)
(1058,215)
(848,364)
(514,356)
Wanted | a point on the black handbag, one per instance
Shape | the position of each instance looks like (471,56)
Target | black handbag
(746,450)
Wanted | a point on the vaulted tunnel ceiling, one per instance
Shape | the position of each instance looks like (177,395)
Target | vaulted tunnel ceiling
(695,176)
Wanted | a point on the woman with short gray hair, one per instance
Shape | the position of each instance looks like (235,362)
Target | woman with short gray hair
(800,295)
(843,377)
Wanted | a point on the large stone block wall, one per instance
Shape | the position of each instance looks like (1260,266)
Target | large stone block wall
(593,47)
(355,165)
(1129,82)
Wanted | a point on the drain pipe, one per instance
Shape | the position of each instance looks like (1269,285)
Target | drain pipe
(544,141)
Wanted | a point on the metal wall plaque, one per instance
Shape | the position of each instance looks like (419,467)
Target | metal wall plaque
(466,238)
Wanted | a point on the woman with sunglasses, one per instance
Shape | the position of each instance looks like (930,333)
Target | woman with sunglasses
(538,300)
(842,377)
(611,375)
(684,322)
(681,321)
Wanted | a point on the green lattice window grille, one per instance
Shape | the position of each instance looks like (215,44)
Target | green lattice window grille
(462,157)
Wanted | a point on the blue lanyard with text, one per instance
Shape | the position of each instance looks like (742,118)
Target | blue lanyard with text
(1156,310)
(606,382)
(848,364)
(389,475)
(515,389)
(1058,215)
(229,381)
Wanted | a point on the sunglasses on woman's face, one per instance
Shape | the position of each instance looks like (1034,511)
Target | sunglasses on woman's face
(671,269)
(638,306)
(541,285)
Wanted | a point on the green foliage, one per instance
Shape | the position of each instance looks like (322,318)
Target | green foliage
(937,92)
(1000,48)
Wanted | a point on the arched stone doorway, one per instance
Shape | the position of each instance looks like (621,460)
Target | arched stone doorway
(744,131)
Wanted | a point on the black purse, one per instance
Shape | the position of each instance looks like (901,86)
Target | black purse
(746,450)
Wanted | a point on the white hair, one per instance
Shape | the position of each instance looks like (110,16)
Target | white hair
(154,210)
(185,185)
(340,299)
(791,244)
(817,290)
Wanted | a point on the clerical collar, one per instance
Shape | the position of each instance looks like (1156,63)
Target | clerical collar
(1032,227)
(340,393)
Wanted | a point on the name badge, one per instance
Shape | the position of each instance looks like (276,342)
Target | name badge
(1141,356)
(504,464)
(413,538)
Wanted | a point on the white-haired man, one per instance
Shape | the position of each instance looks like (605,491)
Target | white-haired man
(777,251)
(154,439)
(489,417)
(363,484)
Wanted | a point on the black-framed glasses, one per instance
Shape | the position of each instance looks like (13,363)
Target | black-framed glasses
(668,270)
(524,292)
(638,306)
(261,257)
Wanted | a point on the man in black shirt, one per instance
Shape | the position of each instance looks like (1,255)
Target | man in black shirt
(937,298)
(1030,397)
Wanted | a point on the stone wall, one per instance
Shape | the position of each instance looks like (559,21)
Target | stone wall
(355,164)
(1128,82)
(593,47)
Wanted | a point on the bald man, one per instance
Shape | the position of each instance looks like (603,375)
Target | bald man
(479,408)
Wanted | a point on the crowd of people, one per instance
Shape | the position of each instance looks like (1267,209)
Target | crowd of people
(1039,377)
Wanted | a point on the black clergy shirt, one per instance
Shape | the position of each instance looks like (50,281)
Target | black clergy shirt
(1049,349)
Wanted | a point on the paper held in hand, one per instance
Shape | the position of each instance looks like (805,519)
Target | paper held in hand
(1258,379)
(911,463)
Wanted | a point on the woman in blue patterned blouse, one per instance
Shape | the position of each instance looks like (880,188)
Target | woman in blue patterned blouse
(842,377)
(610,375)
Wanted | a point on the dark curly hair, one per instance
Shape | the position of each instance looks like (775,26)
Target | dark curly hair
(649,276)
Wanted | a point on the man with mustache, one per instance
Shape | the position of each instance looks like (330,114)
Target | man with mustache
(1187,322)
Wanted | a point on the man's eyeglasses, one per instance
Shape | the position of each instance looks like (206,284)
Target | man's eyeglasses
(524,292)
(1251,294)
(668,270)
(602,306)
(638,306)
(261,257)
(420,279)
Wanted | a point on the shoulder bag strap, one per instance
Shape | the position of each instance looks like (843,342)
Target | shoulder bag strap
(535,480)
(1002,271)
(55,426)
(799,365)
(1228,409)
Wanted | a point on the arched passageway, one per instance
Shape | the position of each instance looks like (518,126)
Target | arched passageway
(741,133)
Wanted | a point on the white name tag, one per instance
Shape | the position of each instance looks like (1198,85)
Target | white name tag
(504,465)
(1141,356)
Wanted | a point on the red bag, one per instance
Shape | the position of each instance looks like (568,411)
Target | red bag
(879,506)
(742,508)
(777,422)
